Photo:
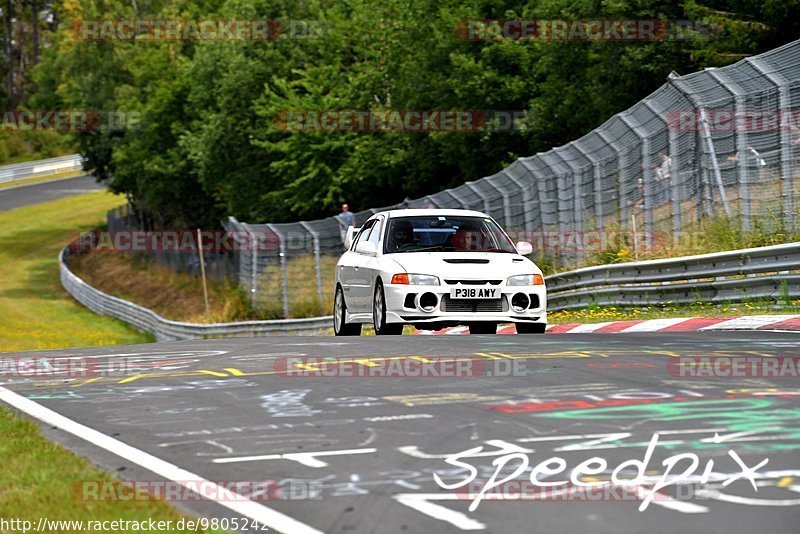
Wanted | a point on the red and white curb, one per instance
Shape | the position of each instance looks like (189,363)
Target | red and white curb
(790,323)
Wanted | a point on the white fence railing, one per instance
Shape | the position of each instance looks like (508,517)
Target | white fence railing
(42,167)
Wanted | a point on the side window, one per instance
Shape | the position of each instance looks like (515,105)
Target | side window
(375,235)
(363,234)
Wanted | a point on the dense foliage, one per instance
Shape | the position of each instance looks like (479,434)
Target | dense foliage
(209,145)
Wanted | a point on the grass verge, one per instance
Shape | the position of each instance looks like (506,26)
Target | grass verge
(37,476)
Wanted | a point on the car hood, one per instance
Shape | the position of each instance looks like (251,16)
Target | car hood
(465,265)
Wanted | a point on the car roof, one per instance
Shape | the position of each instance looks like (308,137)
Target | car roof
(432,213)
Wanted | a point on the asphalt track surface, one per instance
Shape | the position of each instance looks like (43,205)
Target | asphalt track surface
(26,195)
(229,410)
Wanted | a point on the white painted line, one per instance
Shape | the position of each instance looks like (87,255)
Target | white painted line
(751,322)
(654,325)
(258,512)
(588,328)
(309,459)
(421,502)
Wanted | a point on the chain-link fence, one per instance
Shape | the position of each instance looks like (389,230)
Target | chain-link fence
(724,141)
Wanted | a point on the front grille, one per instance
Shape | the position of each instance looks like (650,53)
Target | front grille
(473,305)
(453,282)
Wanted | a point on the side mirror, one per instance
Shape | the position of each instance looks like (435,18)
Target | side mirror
(348,238)
(367,248)
(524,248)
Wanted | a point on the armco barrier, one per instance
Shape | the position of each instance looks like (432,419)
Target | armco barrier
(31,169)
(734,276)
(739,275)
(163,329)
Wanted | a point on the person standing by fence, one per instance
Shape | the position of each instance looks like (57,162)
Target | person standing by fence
(346,220)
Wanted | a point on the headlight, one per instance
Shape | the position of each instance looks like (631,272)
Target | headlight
(526,280)
(415,279)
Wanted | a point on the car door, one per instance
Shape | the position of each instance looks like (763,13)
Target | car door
(348,268)
(368,268)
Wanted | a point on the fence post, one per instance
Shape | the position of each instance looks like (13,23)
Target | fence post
(526,194)
(577,202)
(597,178)
(622,166)
(284,279)
(317,259)
(676,194)
(784,103)
(461,200)
(564,212)
(684,89)
(478,193)
(742,171)
(647,178)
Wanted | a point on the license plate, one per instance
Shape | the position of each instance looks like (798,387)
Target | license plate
(475,293)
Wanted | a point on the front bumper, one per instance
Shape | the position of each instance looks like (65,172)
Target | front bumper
(402,306)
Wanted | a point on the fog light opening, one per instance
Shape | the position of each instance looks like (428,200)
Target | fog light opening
(520,302)
(428,302)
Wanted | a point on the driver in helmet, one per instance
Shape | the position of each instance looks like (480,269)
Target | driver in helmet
(402,234)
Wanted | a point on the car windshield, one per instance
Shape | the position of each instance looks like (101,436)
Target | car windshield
(433,233)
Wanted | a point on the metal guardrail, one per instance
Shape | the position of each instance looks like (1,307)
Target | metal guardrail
(30,169)
(163,329)
(734,276)
(739,275)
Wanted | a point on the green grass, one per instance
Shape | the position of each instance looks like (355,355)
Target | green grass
(37,476)
(38,313)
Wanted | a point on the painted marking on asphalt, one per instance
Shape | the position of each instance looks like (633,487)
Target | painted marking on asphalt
(237,503)
(421,502)
(752,322)
(654,325)
(309,459)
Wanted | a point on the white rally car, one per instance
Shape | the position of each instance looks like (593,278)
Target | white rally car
(435,268)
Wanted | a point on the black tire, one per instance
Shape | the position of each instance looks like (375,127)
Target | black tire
(482,328)
(340,327)
(379,315)
(531,328)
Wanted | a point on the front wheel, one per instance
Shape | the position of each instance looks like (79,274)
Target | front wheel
(340,327)
(379,315)
(483,328)
(531,328)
